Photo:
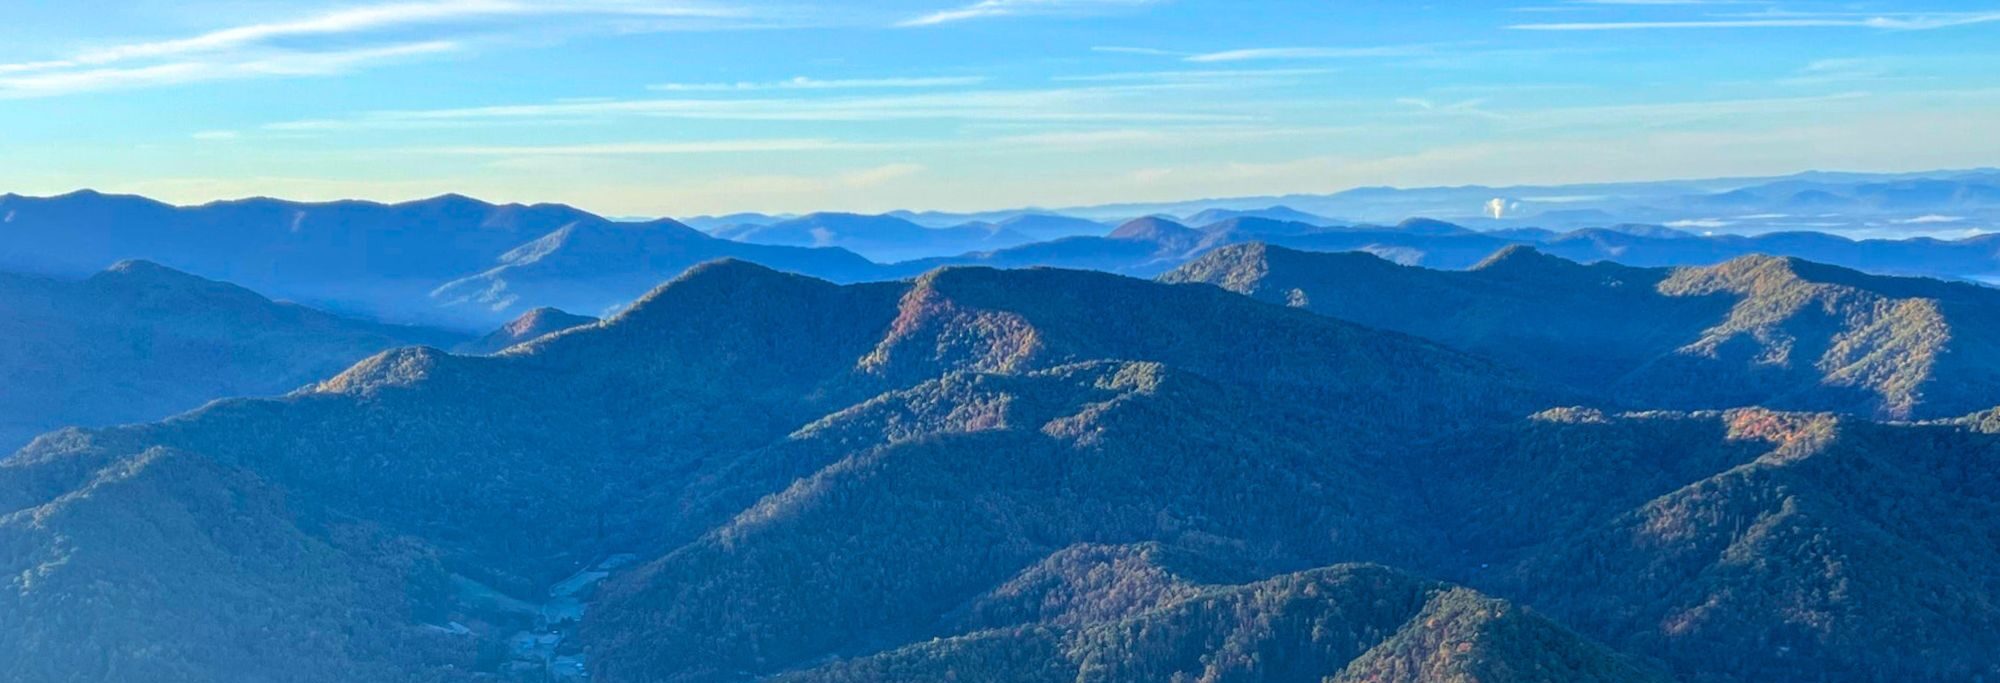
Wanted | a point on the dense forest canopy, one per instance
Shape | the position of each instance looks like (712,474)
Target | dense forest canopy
(1270,465)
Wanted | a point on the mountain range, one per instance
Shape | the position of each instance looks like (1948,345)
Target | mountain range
(459,263)
(449,261)
(1283,214)
(881,238)
(141,342)
(1755,330)
(1048,474)
(1234,441)
(1859,205)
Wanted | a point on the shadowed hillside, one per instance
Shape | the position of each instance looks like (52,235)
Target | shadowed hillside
(140,341)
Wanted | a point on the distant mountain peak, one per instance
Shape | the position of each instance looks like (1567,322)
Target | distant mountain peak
(721,282)
(1278,212)
(1432,226)
(1653,231)
(544,316)
(1155,229)
(1250,267)
(144,268)
(532,325)
(1521,259)
(453,198)
(1146,225)
(727,270)
(157,280)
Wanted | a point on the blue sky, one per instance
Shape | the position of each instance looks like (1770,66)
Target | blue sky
(667,107)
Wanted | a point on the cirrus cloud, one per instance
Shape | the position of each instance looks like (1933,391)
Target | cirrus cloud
(348,39)
(987,9)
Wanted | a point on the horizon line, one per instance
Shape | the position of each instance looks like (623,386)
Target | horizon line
(1024,209)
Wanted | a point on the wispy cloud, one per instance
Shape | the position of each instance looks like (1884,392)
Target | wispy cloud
(1887,22)
(1511,88)
(1472,107)
(804,83)
(1302,53)
(388,16)
(1067,140)
(23,67)
(1178,136)
(1839,71)
(63,82)
(987,9)
(1146,51)
(1232,75)
(678,148)
(1672,114)
(1122,103)
(347,38)
(1674,3)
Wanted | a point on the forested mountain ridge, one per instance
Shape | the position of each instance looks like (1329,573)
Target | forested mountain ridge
(1338,624)
(1816,543)
(453,261)
(530,326)
(450,260)
(643,436)
(140,341)
(594,266)
(1755,330)
(1000,475)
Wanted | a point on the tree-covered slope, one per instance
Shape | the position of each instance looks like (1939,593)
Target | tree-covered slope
(1753,331)
(991,474)
(1006,476)
(1337,624)
(657,432)
(141,341)
(1826,338)
(1845,550)
(532,325)
(170,566)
